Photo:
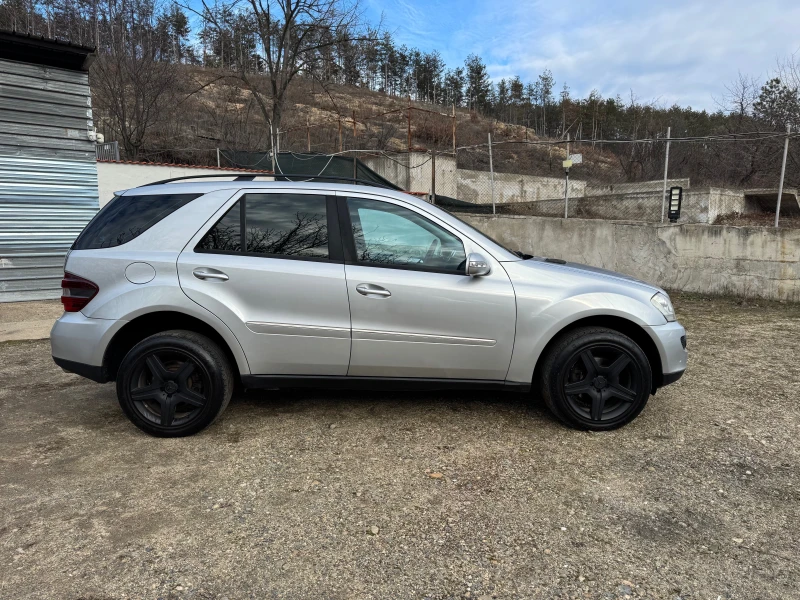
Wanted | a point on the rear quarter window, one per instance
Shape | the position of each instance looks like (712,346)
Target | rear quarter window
(127,217)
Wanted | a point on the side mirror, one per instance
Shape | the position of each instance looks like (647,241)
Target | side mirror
(477,266)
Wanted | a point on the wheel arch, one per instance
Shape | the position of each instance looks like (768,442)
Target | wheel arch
(150,323)
(620,324)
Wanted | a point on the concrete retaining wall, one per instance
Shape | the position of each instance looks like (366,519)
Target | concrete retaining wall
(742,261)
(412,172)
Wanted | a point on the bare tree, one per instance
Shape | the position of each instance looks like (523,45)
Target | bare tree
(292,35)
(134,95)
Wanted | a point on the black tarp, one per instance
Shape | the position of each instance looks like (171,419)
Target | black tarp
(309,167)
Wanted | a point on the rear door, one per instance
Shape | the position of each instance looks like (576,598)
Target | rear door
(270,265)
(414,310)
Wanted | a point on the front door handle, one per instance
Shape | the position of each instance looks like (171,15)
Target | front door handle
(369,289)
(206,273)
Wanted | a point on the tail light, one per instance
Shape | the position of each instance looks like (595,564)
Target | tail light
(76,292)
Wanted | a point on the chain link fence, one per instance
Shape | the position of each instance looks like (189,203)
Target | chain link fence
(731,179)
(716,176)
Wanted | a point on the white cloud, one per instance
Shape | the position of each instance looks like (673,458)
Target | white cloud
(677,52)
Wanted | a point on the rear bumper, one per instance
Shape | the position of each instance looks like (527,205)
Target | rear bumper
(98,374)
(79,343)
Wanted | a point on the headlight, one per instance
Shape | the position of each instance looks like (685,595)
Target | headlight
(662,303)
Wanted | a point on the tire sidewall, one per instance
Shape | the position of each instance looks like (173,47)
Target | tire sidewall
(203,355)
(561,360)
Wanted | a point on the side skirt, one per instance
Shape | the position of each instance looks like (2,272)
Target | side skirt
(378,383)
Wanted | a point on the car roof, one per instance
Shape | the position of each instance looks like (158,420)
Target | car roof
(206,187)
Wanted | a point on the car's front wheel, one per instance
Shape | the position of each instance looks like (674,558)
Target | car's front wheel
(595,378)
(174,383)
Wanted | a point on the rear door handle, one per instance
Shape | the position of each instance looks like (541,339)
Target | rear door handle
(369,289)
(206,273)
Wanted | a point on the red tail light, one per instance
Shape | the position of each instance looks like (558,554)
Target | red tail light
(76,292)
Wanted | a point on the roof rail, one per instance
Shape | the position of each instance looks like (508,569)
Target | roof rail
(279,176)
(184,177)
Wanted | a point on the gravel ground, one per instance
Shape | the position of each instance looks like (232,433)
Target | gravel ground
(316,494)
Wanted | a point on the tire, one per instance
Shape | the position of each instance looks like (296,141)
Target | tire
(596,379)
(174,384)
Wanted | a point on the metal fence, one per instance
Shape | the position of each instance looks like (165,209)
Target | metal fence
(724,179)
(747,178)
(107,151)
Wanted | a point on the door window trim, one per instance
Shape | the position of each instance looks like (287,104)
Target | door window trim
(349,242)
(335,249)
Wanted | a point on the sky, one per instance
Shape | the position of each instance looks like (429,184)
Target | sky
(670,52)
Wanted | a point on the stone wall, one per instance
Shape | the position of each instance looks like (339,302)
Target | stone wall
(758,262)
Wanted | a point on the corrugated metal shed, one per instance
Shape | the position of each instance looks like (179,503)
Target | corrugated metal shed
(48,174)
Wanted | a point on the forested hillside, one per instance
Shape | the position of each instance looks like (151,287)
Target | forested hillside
(174,82)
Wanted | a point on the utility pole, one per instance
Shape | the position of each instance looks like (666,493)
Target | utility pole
(783,172)
(666,168)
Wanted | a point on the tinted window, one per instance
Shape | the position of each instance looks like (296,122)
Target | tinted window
(275,224)
(388,234)
(127,217)
(226,235)
(287,224)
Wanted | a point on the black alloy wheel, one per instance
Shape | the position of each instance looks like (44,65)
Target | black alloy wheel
(168,387)
(174,383)
(595,378)
(602,382)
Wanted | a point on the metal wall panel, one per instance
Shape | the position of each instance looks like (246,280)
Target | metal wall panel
(48,175)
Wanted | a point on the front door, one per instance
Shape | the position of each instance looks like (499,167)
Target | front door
(271,268)
(414,310)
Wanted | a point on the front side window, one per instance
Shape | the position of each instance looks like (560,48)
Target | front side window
(390,235)
(291,225)
(127,217)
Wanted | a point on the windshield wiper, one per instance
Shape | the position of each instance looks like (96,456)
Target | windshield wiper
(522,255)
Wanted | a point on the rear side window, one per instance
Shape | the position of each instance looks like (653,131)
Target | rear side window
(127,217)
(283,225)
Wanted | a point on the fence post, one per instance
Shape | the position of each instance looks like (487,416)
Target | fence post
(340,133)
(491,170)
(308,136)
(272,143)
(783,172)
(218,158)
(666,168)
(433,176)
(566,184)
(454,130)
(408,118)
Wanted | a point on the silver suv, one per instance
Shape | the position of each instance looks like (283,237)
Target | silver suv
(181,291)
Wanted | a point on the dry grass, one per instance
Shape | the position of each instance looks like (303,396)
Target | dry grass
(757,220)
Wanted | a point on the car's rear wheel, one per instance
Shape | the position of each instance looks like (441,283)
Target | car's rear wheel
(595,378)
(174,383)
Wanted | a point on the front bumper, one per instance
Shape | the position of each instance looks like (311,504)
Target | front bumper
(670,339)
(78,343)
